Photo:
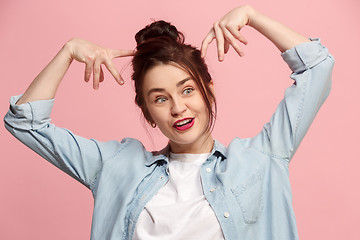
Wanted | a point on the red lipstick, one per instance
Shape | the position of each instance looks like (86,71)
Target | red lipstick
(184,124)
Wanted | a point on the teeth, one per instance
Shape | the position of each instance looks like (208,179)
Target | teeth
(183,122)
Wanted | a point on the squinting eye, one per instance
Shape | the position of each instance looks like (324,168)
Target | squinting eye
(160,100)
(188,90)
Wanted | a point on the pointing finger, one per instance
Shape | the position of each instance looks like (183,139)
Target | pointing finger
(116,53)
(205,43)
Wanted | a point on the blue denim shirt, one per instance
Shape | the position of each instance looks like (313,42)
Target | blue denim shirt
(246,184)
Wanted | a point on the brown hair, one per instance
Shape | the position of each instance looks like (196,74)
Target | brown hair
(161,43)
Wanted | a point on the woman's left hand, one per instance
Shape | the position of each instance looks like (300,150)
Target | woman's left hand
(226,31)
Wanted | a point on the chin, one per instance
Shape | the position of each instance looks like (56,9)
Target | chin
(187,140)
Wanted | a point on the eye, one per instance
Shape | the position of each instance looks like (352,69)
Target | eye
(160,99)
(188,91)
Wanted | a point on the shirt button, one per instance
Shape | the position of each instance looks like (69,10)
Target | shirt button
(226,214)
(208,170)
(162,177)
(212,190)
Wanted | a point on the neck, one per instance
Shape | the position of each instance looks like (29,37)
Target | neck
(203,145)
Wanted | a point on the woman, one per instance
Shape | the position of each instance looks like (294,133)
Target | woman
(195,188)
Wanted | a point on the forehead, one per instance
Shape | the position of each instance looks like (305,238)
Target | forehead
(163,76)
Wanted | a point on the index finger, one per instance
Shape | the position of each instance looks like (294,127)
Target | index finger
(207,40)
(116,53)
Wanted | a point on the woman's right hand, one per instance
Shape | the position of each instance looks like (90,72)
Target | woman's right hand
(94,56)
(46,83)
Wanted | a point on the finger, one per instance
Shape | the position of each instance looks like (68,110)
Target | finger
(114,72)
(220,41)
(236,33)
(88,70)
(96,74)
(227,47)
(232,41)
(101,75)
(116,53)
(206,42)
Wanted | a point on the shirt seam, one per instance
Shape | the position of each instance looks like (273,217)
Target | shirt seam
(272,155)
(32,110)
(93,183)
(121,148)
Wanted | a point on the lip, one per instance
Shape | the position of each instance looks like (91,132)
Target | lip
(185,127)
(181,120)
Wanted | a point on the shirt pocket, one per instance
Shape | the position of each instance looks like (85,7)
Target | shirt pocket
(249,196)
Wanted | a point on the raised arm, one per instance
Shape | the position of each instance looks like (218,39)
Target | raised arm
(311,66)
(79,157)
(226,31)
(45,85)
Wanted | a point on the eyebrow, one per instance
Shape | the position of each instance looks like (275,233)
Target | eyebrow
(163,90)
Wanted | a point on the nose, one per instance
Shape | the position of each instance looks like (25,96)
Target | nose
(178,107)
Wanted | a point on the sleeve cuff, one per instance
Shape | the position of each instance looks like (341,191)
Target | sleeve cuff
(305,55)
(31,115)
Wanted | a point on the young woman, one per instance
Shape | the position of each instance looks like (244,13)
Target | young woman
(195,188)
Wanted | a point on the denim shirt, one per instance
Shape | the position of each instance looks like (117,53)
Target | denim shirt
(246,184)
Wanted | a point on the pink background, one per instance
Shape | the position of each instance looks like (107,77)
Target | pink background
(40,202)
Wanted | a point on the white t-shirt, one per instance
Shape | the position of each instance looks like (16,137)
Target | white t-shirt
(179,211)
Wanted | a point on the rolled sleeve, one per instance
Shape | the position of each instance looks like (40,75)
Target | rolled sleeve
(305,56)
(30,123)
(32,115)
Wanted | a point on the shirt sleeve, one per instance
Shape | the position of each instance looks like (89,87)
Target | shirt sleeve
(79,157)
(311,66)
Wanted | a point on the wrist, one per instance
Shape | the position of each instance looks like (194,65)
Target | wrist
(252,15)
(67,50)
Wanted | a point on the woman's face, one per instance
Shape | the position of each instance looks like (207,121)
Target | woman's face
(176,105)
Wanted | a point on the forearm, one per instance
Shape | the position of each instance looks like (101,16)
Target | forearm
(282,36)
(45,85)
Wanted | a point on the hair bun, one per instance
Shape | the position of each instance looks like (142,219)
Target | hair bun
(159,29)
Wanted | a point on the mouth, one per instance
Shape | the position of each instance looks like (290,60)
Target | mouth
(184,124)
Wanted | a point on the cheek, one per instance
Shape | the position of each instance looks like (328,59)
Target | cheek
(202,111)
(200,106)
(158,115)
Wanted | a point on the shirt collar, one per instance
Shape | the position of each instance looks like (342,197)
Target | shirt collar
(218,150)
